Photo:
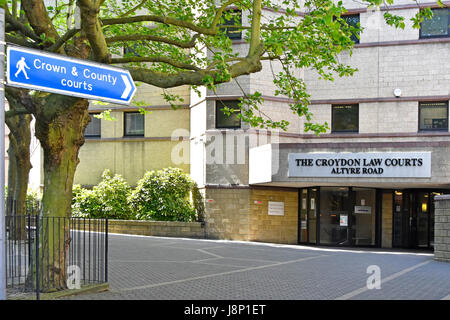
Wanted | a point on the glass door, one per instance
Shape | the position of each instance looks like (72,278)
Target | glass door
(422,220)
(363,217)
(334,216)
(303,216)
(401,220)
(413,223)
(312,215)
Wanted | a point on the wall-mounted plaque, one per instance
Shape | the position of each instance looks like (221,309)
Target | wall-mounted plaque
(276,208)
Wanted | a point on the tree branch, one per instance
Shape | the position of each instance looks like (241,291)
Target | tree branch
(13,113)
(17,25)
(255,28)
(20,97)
(161,19)
(158,59)
(143,37)
(62,40)
(90,24)
(21,41)
(247,65)
(38,18)
(133,9)
(219,12)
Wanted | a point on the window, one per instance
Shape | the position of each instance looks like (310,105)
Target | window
(438,25)
(352,21)
(433,116)
(130,51)
(93,128)
(236,20)
(133,124)
(345,118)
(224,121)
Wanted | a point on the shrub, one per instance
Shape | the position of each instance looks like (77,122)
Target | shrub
(109,199)
(163,195)
(198,202)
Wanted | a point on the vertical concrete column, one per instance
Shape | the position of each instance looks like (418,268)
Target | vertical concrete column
(442,228)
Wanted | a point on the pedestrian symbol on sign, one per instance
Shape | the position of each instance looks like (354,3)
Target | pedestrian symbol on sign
(20,67)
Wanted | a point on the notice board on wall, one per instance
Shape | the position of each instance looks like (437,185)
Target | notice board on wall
(276,208)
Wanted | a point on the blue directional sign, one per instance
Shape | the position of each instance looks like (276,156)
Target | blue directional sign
(39,70)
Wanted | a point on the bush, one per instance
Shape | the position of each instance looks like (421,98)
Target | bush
(163,195)
(109,199)
(198,202)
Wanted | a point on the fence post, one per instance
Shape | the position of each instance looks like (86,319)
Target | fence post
(2,162)
(37,258)
(106,250)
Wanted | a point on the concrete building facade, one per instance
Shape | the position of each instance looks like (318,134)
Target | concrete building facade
(370,179)
(127,141)
(133,143)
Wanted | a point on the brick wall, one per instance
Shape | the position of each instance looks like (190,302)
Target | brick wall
(227,213)
(442,228)
(157,228)
(242,214)
(271,228)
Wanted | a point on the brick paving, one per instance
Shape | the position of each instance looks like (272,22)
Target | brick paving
(185,269)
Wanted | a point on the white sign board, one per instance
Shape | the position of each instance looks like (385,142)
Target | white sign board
(360,165)
(303,225)
(363,209)
(276,208)
(343,220)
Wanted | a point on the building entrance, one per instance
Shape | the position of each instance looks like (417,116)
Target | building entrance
(350,216)
(413,220)
(338,216)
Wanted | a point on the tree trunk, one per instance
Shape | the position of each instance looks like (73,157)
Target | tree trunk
(12,164)
(18,171)
(61,139)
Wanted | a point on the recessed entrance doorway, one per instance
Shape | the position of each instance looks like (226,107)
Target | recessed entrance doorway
(353,216)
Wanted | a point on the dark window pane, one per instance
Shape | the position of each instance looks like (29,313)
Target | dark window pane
(353,21)
(345,118)
(433,116)
(130,51)
(93,129)
(227,121)
(236,20)
(134,124)
(437,26)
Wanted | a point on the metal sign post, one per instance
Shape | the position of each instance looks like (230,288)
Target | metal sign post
(2,159)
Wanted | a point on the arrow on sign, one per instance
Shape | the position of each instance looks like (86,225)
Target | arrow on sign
(128,87)
(39,70)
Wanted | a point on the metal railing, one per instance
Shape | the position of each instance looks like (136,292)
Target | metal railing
(54,253)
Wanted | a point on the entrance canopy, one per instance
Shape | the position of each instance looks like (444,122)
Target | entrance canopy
(289,165)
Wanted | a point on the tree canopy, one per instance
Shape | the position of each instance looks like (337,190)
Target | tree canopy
(185,42)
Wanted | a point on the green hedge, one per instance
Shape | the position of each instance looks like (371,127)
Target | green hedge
(108,199)
(163,195)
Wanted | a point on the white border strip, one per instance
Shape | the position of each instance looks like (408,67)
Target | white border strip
(277,245)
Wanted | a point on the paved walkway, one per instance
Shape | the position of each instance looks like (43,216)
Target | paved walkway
(171,268)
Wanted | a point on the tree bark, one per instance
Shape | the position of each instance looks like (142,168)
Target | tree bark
(11,177)
(18,171)
(61,138)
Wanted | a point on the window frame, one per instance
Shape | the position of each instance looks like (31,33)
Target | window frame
(432,129)
(421,36)
(234,38)
(100,131)
(359,21)
(218,107)
(333,130)
(125,124)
